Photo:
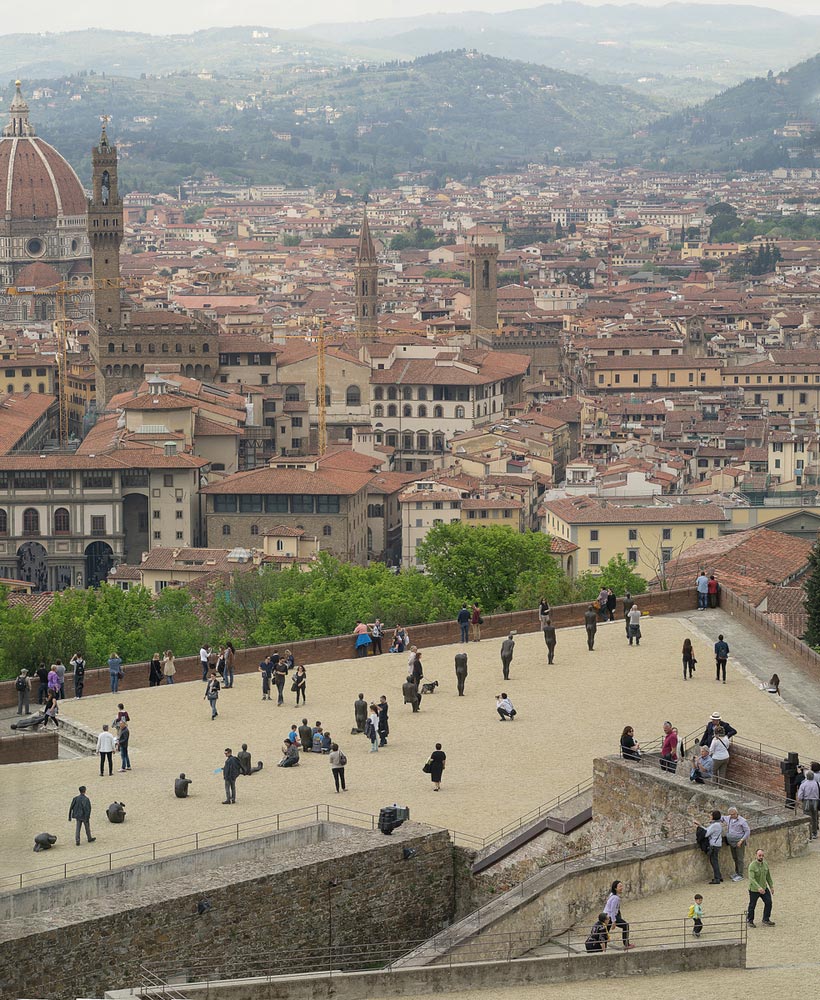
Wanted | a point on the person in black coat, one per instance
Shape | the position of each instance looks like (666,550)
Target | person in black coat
(709,732)
(437,759)
(611,604)
(383,727)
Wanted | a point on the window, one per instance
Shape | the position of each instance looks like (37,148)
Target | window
(30,480)
(327,531)
(225,503)
(632,556)
(4,522)
(392,411)
(780,399)
(276,503)
(250,503)
(279,545)
(422,411)
(254,529)
(226,529)
(593,535)
(594,557)
(31,521)
(407,411)
(666,555)
(61,521)
(667,534)
(438,505)
(378,392)
(635,379)
(803,397)
(633,534)
(178,536)
(156,514)
(471,515)
(179,515)
(391,392)
(378,410)
(407,442)
(327,504)
(98,525)
(168,479)
(438,412)
(375,510)
(96,480)
(700,533)
(292,394)
(157,536)
(407,392)
(296,422)
(353,396)
(422,393)
(301,503)
(459,413)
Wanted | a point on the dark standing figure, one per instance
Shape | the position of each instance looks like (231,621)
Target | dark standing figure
(416,668)
(628,602)
(411,693)
(384,723)
(714,837)
(78,665)
(689,660)
(709,732)
(23,688)
(230,772)
(611,604)
(306,736)
(713,590)
(463,620)
(338,762)
(123,736)
(437,759)
(80,812)
(265,671)
(230,657)
(461,672)
(475,623)
(42,689)
(543,612)
(613,911)
(280,673)
(630,748)
(299,684)
(155,671)
(360,712)
(721,656)
(507,647)
(549,639)
(591,625)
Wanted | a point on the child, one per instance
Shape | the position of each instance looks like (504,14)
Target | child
(696,915)
(599,935)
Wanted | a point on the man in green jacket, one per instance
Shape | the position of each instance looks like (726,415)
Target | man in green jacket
(760,887)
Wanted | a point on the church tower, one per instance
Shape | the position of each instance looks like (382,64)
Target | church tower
(105,236)
(483,287)
(366,276)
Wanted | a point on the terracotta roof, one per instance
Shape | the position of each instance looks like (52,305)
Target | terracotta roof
(585,510)
(37,183)
(18,413)
(122,458)
(187,560)
(283,531)
(37,604)
(562,546)
(327,481)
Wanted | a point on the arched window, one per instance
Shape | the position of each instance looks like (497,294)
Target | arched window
(378,410)
(438,442)
(378,392)
(392,410)
(110,348)
(164,348)
(353,396)
(422,393)
(407,411)
(391,392)
(279,545)
(407,392)
(459,414)
(254,529)
(178,348)
(117,371)
(292,394)
(206,348)
(226,529)
(61,521)
(422,411)
(31,521)
(4,522)
(327,395)
(327,531)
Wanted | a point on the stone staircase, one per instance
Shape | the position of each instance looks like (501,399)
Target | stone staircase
(76,740)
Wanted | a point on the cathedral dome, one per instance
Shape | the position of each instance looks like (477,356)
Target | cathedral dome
(35,181)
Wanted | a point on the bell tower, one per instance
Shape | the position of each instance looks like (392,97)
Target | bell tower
(105,234)
(483,287)
(366,276)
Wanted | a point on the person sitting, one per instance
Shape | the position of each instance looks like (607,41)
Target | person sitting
(599,935)
(290,755)
(773,687)
(326,742)
(181,786)
(504,707)
(401,640)
(318,740)
(702,767)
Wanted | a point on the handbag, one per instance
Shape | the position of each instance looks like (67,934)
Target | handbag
(428,767)
(294,686)
(342,759)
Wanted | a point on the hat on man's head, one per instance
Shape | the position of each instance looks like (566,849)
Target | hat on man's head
(715,716)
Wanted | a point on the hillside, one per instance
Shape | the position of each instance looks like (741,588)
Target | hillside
(457,114)
(742,127)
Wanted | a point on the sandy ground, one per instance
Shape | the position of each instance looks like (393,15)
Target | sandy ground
(779,958)
(569,713)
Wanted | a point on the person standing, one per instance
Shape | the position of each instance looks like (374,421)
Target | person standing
(212,693)
(714,839)
(77,664)
(808,793)
(612,909)
(437,762)
(719,751)
(155,671)
(203,661)
(713,588)
(630,748)
(737,837)
(461,672)
(721,656)
(42,689)
(230,772)
(80,812)
(463,619)
(280,673)
(299,684)
(265,670)
(115,671)
(549,639)
(54,682)
(23,688)
(410,692)
(601,600)
(504,707)
(230,663)
(507,647)
(611,603)
(689,660)
(59,670)
(123,736)
(415,667)
(634,626)
(105,748)
(371,728)
(591,626)
(383,727)
(362,639)
(760,887)
(702,586)
(476,621)
(338,761)
(360,712)
(715,721)
(543,613)
(169,668)
(376,636)
(669,749)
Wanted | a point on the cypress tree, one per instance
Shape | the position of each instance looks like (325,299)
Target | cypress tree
(812,601)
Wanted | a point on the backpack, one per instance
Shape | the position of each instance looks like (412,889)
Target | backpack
(20,684)
(342,759)
(369,731)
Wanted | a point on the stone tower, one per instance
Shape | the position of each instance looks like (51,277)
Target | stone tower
(483,287)
(366,275)
(105,234)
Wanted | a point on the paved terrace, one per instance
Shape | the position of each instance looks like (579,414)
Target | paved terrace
(569,713)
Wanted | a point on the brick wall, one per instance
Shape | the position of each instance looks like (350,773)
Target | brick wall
(340,647)
(755,769)
(21,748)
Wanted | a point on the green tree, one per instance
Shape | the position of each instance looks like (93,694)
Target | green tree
(16,637)
(618,575)
(812,600)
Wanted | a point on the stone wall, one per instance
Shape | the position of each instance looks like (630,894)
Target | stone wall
(340,647)
(273,909)
(20,748)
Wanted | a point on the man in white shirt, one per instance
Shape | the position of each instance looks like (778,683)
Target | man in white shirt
(504,707)
(203,661)
(105,748)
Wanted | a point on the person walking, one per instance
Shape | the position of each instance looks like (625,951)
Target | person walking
(230,772)
(737,837)
(169,668)
(115,671)
(360,712)
(383,726)
(461,672)
(714,840)
(77,664)
(299,684)
(630,748)
(105,748)
(376,636)
(612,908)
(689,660)
(476,621)
(212,693)
(696,914)
(702,587)
(634,626)
(280,673)
(338,762)
(504,707)
(265,669)
(80,812)
(719,750)
(760,887)
(507,647)
(550,639)
(230,664)
(808,792)
(51,710)
(123,736)
(437,762)
(591,626)
(371,728)
(721,656)
(611,603)
(463,619)
(23,688)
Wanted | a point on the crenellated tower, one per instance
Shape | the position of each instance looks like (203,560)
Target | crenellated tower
(105,235)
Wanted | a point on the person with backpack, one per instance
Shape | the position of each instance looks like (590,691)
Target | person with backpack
(77,664)
(23,688)
(599,935)
(338,762)
(371,728)
(212,693)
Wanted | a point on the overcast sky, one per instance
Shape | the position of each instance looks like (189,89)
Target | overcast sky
(164,17)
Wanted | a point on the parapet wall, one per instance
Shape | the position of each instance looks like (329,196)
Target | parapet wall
(20,748)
